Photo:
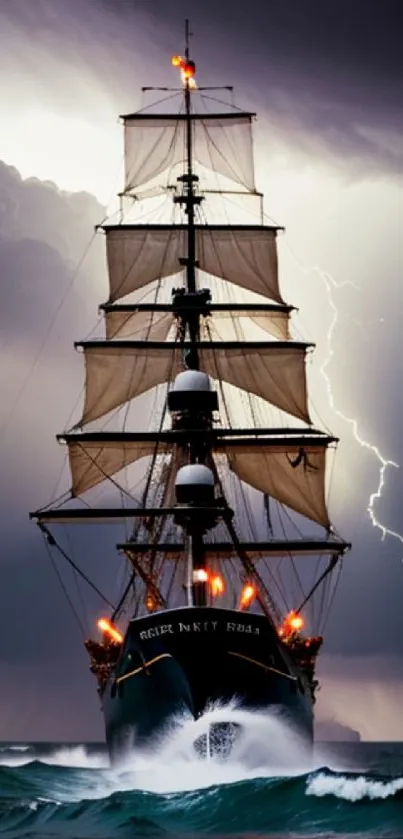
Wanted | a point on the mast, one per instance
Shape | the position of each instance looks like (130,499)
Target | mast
(196,585)
(190,204)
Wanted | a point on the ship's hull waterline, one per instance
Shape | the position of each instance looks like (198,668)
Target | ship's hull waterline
(178,662)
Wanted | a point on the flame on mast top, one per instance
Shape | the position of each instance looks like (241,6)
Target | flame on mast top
(187,70)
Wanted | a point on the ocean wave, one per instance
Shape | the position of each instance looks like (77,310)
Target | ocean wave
(299,805)
(353,788)
(267,786)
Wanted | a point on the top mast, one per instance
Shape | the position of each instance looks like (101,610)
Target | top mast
(190,178)
(189,197)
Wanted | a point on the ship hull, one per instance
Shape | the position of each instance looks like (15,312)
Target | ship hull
(183,660)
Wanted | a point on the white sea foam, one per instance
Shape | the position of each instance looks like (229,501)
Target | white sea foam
(16,748)
(264,747)
(15,759)
(352,789)
(76,757)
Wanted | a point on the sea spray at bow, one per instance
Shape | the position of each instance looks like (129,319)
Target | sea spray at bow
(264,746)
(267,785)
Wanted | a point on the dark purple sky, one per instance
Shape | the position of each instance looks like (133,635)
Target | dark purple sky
(327,80)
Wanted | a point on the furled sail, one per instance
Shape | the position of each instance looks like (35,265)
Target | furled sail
(118,371)
(140,254)
(292,474)
(221,142)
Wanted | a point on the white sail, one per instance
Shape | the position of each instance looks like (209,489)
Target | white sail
(225,324)
(154,144)
(138,325)
(245,256)
(116,374)
(294,475)
(231,326)
(91,462)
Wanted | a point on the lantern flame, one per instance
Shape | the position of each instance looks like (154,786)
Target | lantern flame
(296,622)
(150,603)
(108,628)
(217,585)
(248,594)
(292,623)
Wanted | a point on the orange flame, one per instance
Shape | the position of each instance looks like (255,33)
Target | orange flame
(217,585)
(248,594)
(296,622)
(150,603)
(292,623)
(187,69)
(108,628)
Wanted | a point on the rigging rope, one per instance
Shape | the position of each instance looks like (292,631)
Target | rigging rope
(64,589)
(332,563)
(52,541)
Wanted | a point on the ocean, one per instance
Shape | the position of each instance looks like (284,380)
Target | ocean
(268,787)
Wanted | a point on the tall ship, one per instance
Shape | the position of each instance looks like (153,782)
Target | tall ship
(196,427)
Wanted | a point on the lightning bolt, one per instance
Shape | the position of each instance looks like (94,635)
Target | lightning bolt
(330,284)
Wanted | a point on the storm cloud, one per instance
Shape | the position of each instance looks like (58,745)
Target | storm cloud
(329,76)
(327,81)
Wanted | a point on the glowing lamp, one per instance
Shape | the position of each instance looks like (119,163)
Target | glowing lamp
(217,585)
(200,575)
(296,622)
(248,594)
(108,628)
(150,603)
(292,623)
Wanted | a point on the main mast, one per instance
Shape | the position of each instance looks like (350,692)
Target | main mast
(190,319)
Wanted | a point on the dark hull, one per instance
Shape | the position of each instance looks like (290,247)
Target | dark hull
(182,660)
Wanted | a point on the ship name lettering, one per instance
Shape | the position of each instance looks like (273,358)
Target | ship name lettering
(166,628)
(154,631)
(243,627)
(196,626)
